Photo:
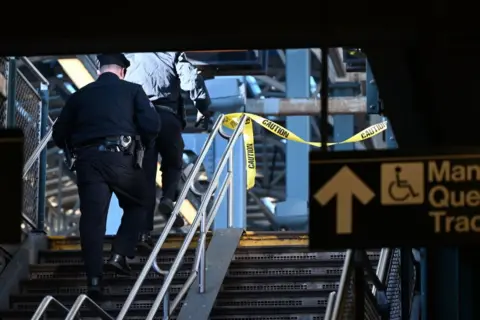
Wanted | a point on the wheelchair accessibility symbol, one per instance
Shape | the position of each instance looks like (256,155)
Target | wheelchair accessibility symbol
(402,183)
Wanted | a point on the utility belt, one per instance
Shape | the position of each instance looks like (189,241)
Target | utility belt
(164,108)
(180,113)
(130,145)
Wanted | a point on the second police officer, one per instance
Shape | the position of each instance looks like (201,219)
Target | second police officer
(164,76)
(104,123)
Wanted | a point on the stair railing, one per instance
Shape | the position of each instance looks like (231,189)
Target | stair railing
(344,300)
(46,302)
(202,219)
(383,300)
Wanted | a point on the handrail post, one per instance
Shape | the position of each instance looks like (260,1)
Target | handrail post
(230,194)
(166,306)
(11,92)
(202,244)
(152,258)
(188,238)
(43,159)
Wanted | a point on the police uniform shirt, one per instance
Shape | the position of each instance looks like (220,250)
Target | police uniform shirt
(105,108)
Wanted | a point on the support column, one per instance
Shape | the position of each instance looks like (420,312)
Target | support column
(44,94)
(293,213)
(344,124)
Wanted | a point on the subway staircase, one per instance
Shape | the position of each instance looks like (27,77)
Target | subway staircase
(272,276)
(63,205)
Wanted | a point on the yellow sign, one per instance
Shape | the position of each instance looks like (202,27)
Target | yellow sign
(444,196)
(345,185)
(231,121)
(402,183)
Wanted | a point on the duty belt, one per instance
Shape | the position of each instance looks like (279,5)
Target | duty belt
(164,108)
(109,144)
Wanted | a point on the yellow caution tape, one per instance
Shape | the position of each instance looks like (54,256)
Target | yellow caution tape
(232,120)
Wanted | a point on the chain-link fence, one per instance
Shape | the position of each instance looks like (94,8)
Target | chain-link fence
(28,119)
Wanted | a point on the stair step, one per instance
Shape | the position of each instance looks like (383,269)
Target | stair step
(247,272)
(274,284)
(225,298)
(272,276)
(235,313)
(242,254)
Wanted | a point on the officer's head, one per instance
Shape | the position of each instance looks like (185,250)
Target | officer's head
(114,63)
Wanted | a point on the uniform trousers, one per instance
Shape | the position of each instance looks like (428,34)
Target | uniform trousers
(99,174)
(169,144)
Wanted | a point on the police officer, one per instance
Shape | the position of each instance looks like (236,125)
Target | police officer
(164,76)
(104,123)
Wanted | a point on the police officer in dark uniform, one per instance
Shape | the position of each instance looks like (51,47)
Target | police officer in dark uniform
(164,76)
(105,124)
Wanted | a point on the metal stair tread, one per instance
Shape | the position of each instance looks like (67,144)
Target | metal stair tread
(236,287)
(67,298)
(220,314)
(58,283)
(234,265)
(240,273)
(241,250)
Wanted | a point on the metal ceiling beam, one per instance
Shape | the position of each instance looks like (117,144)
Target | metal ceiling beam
(292,107)
(332,72)
(336,55)
(272,82)
(281,55)
(89,63)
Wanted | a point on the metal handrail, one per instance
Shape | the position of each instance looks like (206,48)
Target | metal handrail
(34,70)
(46,302)
(198,257)
(378,280)
(342,287)
(81,299)
(152,258)
(38,150)
(330,305)
(382,267)
(200,218)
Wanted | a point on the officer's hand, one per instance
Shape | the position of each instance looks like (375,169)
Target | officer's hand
(204,122)
(208,114)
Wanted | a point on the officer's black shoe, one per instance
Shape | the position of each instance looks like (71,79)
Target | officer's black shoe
(166,207)
(146,241)
(94,291)
(120,264)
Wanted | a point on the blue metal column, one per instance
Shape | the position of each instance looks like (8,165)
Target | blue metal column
(344,125)
(293,213)
(239,185)
(43,159)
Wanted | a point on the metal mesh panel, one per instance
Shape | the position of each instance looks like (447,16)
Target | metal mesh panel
(348,311)
(394,293)
(28,117)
